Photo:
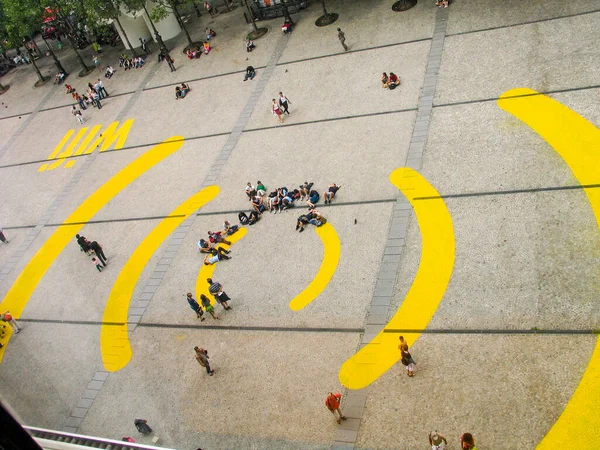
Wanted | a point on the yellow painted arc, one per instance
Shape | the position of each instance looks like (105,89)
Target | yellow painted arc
(207,271)
(17,297)
(114,337)
(577,141)
(331,256)
(426,292)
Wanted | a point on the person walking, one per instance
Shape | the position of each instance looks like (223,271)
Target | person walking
(208,307)
(2,237)
(8,318)
(284,103)
(333,404)
(97,263)
(202,358)
(277,111)
(437,441)
(145,47)
(101,88)
(77,114)
(170,62)
(195,306)
(467,442)
(406,359)
(209,7)
(342,38)
(99,253)
(216,289)
(84,244)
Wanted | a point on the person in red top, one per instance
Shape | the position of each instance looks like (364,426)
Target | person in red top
(333,404)
(393,80)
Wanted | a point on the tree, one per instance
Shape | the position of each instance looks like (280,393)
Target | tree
(326,18)
(165,7)
(18,20)
(133,6)
(108,9)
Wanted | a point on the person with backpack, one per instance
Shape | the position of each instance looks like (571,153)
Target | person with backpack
(332,402)
(202,358)
(195,306)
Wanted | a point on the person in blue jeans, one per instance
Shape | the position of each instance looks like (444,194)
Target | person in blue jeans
(250,73)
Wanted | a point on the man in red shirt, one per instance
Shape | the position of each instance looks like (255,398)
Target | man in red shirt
(333,404)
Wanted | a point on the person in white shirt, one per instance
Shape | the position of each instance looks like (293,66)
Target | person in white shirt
(101,89)
(250,190)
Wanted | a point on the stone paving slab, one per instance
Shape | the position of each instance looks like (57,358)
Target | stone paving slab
(363,95)
(162,403)
(556,58)
(469,15)
(487,373)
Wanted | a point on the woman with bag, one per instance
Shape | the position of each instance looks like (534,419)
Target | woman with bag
(277,111)
(407,359)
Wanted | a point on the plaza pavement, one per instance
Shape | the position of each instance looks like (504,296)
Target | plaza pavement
(523,261)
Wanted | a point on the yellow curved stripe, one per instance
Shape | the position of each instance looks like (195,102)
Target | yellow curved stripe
(206,271)
(114,337)
(577,141)
(426,292)
(17,297)
(331,257)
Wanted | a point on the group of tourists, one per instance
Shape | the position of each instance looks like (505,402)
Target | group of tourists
(94,94)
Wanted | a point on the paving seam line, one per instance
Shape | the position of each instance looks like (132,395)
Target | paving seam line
(347,435)
(86,401)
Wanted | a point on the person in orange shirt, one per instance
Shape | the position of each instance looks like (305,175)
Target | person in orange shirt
(333,404)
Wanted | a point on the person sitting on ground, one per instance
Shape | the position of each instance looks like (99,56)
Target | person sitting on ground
(253,217)
(193,54)
(393,81)
(178,93)
(229,229)
(257,204)
(221,255)
(330,193)
(250,190)
(216,238)
(317,219)
(273,201)
(303,220)
(250,73)
(206,247)
(122,59)
(69,88)
(305,189)
(287,27)
(109,72)
(313,198)
(442,3)
(139,62)
(207,47)
(385,81)
(261,190)
(210,33)
(287,201)
(250,45)
(185,88)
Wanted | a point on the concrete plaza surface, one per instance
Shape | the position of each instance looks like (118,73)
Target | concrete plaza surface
(525,261)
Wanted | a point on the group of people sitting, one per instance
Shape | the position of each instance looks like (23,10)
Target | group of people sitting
(391,81)
(210,247)
(181,91)
(131,63)
(282,198)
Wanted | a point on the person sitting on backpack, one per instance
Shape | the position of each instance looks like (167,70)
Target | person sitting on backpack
(257,204)
(287,201)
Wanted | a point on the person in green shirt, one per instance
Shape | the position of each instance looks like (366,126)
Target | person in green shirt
(260,188)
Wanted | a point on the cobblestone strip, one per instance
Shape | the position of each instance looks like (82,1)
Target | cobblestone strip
(355,401)
(137,310)
(27,121)
(67,190)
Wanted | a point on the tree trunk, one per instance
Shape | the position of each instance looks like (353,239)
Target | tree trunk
(59,66)
(227,5)
(181,24)
(324,10)
(36,46)
(251,17)
(84,67)
(37,70)
(197,9)
(126,37)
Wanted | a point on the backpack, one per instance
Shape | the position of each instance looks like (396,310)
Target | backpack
(243,218)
